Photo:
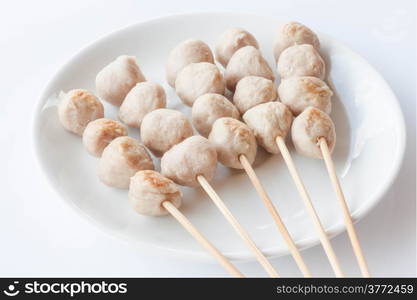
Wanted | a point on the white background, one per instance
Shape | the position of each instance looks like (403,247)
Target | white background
(41,236)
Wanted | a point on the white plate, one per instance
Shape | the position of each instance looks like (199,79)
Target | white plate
(368,154)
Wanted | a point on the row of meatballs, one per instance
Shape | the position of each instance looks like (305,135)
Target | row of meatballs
(267,111)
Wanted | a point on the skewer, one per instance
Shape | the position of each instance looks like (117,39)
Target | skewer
(236,147)
(152,194)
(309,206)
(272,210)
(279,119)
(340,196)
(278,125)
(236,225)
(199,237)
(192,162)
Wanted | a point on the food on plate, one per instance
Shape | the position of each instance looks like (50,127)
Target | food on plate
(121,159)
(301,60)
(197,79)
(233,138)
(143,98)
(210,107)
(232,40)
(149,189)
(268,121)
(116,79)
(185,161)
(99,133)
(163,128)
(253,90)
(77,108)
(246,61)
(298,93)
(185,53)
(294,33)
(306,130)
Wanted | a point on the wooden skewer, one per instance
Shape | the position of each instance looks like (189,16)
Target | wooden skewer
(201,239)
(272,210)
(236,225)
(310,208)
(346,214)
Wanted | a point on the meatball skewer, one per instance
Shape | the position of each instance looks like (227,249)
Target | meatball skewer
(189,160)
(314,135)
(152,194)
(193,163)
(236,148)
(149,192)
(298,45)
(271,123)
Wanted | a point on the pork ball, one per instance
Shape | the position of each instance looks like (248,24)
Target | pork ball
(232,40)
(99,133)
(121,159)
(294,33)
(308,127)
(246,61)
(298,93)
(233,138)
(116,79)
(301,60)
(142,99)
(185,53)
(149,189)
(163,128)
(210,107)
(192,157)
(268,121)
(253,90)
(77,108)
(197,79)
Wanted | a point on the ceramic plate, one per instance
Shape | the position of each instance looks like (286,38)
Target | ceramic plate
(368,154)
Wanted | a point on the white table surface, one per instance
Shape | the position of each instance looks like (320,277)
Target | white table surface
(41,236)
